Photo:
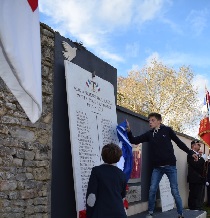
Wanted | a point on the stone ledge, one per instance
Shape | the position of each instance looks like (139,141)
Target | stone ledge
(173,214)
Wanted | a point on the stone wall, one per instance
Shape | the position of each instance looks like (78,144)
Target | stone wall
(25,148)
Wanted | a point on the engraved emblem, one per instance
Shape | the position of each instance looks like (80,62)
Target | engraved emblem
(93,85)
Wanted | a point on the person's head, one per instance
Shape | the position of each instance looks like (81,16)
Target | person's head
(200,152)
(111,153)
(155,120)
(195,145)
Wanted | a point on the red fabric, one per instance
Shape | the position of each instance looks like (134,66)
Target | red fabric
(82,214)
(136,165)
(33,4)
(204,131)
(127,188)
(125,203)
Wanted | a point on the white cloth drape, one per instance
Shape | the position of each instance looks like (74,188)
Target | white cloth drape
(20,54)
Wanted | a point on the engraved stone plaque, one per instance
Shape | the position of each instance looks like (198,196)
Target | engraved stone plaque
(167,200)
(92,123)
(134,194)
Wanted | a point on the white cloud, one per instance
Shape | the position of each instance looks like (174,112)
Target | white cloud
(116,12)
(74,18)
(111,56)
(148,9)
(176,28)
(199,82)
(132,49)
(135,67)
(177,58)
(187,59)
(92,21)
(154,55)
(198,20)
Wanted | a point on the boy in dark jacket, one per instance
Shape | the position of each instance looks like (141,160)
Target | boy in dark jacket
(164,162)
(107,186)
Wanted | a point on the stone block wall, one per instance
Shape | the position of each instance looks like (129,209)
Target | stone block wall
(26,148)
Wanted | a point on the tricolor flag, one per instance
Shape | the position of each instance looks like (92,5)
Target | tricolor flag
(20,53)
(126,149)
(204,129)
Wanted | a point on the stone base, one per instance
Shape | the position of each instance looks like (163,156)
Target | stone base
(173,214)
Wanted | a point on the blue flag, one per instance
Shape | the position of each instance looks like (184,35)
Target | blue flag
(126,149)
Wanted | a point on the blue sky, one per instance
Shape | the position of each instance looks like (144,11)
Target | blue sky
(128,33)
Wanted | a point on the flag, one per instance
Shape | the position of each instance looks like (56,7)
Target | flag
(20,53)
(126,149)
(204,129)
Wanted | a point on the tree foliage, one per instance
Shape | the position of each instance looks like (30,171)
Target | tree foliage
(158,88)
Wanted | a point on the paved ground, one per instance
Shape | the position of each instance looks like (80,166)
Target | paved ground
(173,214)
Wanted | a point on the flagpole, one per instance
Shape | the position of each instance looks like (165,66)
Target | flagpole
(207,101)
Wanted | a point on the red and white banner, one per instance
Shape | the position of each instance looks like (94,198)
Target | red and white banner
(20,53)
(204,131)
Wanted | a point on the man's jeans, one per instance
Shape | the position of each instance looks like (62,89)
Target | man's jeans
(157,174)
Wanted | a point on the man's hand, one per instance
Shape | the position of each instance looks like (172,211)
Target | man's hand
(128,126)
(195,156)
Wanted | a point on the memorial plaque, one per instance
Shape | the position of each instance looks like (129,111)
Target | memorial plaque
(92,123)
(167,200)
(134,194)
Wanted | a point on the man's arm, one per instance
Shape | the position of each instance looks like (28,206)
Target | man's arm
(182,145)
(136,139)
(196,165)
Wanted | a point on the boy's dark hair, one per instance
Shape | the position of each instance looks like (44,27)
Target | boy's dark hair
(111,153)
(156,115)
(194,142)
